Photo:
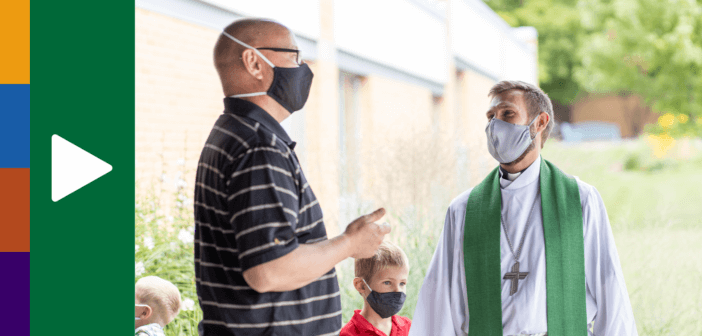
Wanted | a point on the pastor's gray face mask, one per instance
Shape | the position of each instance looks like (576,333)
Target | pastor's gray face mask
(507,141)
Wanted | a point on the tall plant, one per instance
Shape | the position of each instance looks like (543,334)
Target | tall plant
(652,48)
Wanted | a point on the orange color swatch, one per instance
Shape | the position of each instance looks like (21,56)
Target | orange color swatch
(14,210)
(14,34)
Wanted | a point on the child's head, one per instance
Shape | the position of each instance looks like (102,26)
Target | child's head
(385,272)
(157,301)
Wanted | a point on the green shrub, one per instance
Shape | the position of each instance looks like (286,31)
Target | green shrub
(632,162)
(164,248)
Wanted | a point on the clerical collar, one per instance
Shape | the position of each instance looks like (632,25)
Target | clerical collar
(509,176)
(252,111)
(525,177)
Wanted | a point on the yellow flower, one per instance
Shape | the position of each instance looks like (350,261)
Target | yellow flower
(683,118)
(666,120)
(660,144)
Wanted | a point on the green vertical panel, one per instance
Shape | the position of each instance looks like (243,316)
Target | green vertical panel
(82,88)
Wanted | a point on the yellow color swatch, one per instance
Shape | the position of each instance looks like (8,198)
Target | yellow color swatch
(14,34)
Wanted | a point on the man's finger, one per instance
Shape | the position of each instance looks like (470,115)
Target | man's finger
(375,215)
(385,228)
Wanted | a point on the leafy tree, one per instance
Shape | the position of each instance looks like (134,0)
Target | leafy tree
(649,47)
(560,33)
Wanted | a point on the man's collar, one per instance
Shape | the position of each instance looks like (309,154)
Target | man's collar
(510,176)
(526,177)
(250,110)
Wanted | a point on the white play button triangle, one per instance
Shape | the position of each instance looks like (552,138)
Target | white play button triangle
(72,168)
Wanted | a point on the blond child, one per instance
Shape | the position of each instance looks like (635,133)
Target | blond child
(382,281)
(157,302)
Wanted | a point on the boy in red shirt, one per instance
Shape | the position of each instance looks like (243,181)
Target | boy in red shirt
(381,280)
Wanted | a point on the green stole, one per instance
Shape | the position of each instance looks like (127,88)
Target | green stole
(565,256)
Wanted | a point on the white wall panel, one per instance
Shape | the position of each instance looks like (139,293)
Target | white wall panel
(483,40)
(302,16)
(396,33)
(520,64)
(475,38)
(406,38)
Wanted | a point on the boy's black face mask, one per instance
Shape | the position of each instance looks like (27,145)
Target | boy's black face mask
(385,304)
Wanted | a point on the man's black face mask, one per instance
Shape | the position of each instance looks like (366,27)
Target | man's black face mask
(290,86)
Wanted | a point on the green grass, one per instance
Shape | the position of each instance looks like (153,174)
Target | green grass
(668,193)
(654,207)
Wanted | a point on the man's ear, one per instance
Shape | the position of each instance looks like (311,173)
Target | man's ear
(143,311)
(252,63)
(542,122)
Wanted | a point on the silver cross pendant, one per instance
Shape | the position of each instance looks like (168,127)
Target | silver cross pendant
(515,276)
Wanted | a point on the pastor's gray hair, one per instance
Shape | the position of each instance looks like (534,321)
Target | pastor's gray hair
(537,101)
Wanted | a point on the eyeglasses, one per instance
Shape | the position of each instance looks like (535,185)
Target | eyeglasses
(298,58)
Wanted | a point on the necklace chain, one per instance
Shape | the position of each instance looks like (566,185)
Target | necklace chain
(521,244)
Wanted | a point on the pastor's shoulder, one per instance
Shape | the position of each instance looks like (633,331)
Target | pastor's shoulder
(587,191)
(460,202)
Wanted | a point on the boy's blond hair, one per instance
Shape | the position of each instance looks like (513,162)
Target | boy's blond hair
(161,295)
(387,254)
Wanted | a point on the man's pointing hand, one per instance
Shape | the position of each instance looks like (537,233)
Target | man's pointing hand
(365,235)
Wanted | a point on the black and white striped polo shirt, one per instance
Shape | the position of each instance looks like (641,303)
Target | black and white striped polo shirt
(253,205)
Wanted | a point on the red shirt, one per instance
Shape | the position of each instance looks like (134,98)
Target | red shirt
(360,326)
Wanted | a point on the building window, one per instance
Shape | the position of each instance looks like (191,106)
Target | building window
(349,147)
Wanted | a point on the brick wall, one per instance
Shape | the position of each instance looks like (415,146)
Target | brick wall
(630,113)
(473,104)
(178,98)
(400,159)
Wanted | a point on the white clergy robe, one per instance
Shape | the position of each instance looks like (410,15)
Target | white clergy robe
(442,306)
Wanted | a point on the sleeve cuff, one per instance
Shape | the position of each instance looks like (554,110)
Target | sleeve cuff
(269,254)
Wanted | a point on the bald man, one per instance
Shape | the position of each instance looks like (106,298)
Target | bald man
(263,263)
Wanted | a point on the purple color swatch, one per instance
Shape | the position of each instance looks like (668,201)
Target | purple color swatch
(14,291)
